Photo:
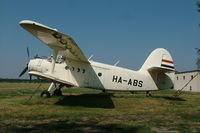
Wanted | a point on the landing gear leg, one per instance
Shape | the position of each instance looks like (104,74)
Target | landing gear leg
(57,91)
(47,93)
(53,90)
(148,94)
(133,92)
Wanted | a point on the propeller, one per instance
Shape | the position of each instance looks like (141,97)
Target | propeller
(30,77)
(36,56)
(26,68)
(27,50)
(24,71)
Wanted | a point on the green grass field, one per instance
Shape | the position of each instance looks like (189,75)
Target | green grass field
(91,111)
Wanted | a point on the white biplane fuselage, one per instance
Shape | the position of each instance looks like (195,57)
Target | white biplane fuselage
(69,67)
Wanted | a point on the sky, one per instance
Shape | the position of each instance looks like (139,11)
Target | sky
(111,30)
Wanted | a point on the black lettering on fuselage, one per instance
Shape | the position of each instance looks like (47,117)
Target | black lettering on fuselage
(135,82)
(114,78)
(140,83)
(120,80)
(130,82)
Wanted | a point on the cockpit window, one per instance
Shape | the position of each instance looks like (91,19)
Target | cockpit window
(60,59)
(50,58)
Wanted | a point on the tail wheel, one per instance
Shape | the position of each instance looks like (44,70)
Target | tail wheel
(148,94)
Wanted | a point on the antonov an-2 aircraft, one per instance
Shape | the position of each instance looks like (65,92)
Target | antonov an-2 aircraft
(69,67)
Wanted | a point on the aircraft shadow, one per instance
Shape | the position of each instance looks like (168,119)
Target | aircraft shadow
(66,127)
(102,100)
(170,98)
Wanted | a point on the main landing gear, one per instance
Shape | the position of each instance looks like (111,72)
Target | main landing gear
(45,94)
(53,90)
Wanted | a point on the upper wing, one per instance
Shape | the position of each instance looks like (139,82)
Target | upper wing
(55,40)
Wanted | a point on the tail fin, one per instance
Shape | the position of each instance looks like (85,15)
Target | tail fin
(160,66)
(159,59)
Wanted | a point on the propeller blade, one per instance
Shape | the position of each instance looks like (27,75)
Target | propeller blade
(36,56)
(22,73)
(55,52)
(28,53)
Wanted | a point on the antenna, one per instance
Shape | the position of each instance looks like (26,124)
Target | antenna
(117,63)
(90,56)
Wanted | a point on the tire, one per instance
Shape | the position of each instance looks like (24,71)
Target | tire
(57,92)
(45,94)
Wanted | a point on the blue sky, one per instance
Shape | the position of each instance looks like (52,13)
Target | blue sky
(125,30)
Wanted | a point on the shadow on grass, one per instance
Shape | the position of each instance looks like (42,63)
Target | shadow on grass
(101,100)
(170,98)
(64,126)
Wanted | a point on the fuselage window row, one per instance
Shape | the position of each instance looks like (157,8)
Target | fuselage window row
(73,69)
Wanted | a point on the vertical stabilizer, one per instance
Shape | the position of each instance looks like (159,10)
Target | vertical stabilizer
(159,58)
(160,66)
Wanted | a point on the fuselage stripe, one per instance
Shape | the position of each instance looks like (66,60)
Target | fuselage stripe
(163,65)
(167,61)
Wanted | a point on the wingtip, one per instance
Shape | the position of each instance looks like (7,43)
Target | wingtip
(30,22)
(26,22)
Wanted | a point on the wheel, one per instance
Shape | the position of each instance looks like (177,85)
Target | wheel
(57,92)
(45,94)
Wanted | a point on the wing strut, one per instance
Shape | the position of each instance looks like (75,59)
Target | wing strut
(55,53)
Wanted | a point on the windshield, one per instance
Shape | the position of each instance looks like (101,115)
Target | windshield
(60,59)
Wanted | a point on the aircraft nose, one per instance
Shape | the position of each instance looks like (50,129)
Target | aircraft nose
(33,65)
(30,65)
(37,65)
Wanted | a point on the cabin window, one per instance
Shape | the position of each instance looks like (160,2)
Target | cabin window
(78,70)
(83,70)
(99,74)
(66,67)
(72,68)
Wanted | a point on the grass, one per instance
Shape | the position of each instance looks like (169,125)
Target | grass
(91,111)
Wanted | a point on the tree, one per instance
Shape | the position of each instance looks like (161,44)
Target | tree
(198,59)
(197,49)
(198,4)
